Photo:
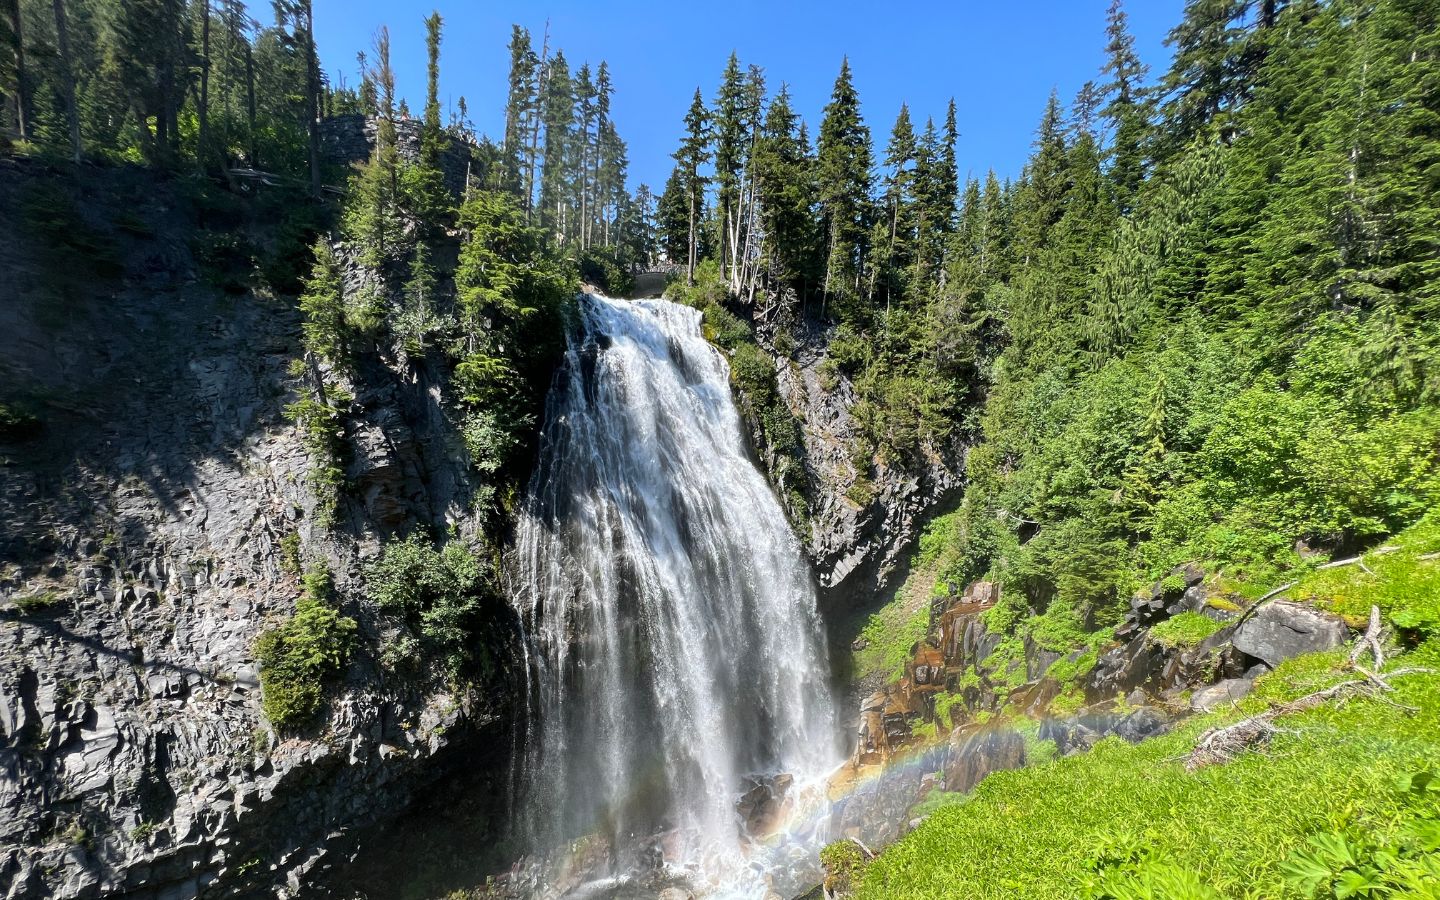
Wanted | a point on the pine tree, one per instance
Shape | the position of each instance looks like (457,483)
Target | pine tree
(693,153)
(729,131)
(784,179)
(843,180)
(558,112)
(519,107)
(428,200)
(1125,111)
(672,218)
(14,34)
(584,148)
(67,79)
(947,175)
(1041,199)
(900,157)
(372,213)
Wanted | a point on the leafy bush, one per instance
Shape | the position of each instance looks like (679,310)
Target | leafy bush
(298,657)
(30,604)
(844,864)
(438,595)
(290,553)
(1402,860)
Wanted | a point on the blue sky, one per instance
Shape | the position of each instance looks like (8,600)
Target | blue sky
(999,60)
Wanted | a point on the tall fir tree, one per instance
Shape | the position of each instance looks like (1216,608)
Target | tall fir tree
(693,153)
(843,182)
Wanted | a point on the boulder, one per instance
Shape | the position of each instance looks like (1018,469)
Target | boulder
(1220,694)
(1282,630)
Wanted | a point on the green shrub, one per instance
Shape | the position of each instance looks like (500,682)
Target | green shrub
(322,431)
(1067,671)
(439,596)
(1400,860)
(945,703)
(290,553)
(937,799)
(298,657)
(1184,630)
(29,604)
(888,636)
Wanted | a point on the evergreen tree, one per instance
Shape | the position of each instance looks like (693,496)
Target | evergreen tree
(786,197)
(520,105)
(693,153)
(898,248)
(428,201)
(729,131)
(558,112)
(1125,110)
(843,183)
(672,218)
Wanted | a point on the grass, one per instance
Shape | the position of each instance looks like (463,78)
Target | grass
(1034,832)
(1043,831)
(888,636)
(1404,584)
(1184,630)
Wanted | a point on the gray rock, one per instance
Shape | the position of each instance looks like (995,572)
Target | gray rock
(134,757)
(974,756)
(1220,694)
(1282,630)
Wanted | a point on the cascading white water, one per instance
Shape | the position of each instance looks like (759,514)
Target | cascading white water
(670,620)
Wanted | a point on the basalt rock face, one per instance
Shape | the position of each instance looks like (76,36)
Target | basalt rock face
(858,549)
(143,528)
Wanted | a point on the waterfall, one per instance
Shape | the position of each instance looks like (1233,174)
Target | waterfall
(674,649)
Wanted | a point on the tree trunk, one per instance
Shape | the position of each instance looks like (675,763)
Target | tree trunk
(250,105)
(22,77)
(67,77)
(203,135)
(312,91)
(690,263)
(534,151)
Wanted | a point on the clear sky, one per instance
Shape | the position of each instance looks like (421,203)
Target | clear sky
(999,60)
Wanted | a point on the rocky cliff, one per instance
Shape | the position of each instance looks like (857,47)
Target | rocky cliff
(154,505)
(859,541)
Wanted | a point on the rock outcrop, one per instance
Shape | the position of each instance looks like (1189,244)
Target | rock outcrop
(144,530)
(862,527)
(1282,630)
(961,676)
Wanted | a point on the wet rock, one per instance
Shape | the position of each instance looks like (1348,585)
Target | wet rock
(764,803)
(1282,630)
(975,755)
